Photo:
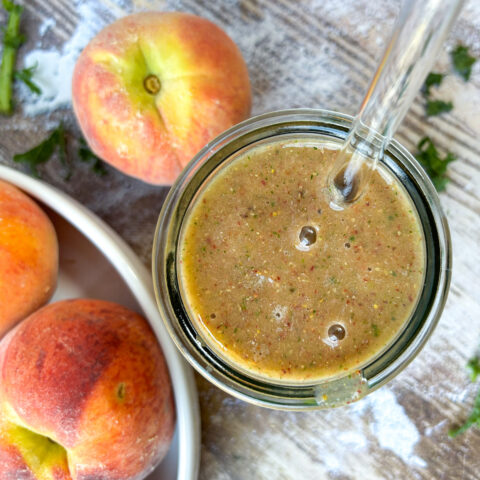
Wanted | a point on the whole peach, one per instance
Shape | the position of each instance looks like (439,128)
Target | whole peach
(28,256)
(151,89)
(84,394)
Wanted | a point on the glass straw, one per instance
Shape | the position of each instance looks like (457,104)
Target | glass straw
(418,35)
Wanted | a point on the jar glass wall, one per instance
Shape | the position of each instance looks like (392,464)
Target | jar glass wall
(331,128)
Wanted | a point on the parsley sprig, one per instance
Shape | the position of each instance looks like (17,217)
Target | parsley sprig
(433,79)
(462,61)
(435,166)
(44,151)
(12,39)
(57,142)
(428,155)
(473,366)
(25,76)
(473,419)
(436,107)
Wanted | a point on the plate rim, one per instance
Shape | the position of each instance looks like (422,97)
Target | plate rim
(138,280)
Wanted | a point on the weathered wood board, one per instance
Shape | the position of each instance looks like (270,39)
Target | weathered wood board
(308,53)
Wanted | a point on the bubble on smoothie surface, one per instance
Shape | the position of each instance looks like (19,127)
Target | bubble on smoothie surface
(336,332)
(308,235)
(279,312)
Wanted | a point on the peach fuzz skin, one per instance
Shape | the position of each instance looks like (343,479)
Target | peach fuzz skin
(84,394)
(203,89)
(28,256)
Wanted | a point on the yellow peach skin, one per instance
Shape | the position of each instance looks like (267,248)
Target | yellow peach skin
(151,89)
(28,256)
(84,394)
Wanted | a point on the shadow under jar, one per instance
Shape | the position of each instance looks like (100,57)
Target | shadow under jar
(305,329)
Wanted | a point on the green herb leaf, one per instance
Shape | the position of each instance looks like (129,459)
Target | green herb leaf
(25,76)
(462,61)
(473,367)
(473,419)
(436,107)
(434,165)
(12,39)
(87,156)
(10,6)
(433,79)
(44,151)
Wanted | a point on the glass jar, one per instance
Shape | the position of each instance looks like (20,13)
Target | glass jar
(330,127)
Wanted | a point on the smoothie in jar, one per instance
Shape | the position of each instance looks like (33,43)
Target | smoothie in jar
(283,286)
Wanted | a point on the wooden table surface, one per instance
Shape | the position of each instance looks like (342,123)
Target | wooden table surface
(308,53)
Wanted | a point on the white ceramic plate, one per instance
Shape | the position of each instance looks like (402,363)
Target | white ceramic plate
(95,262)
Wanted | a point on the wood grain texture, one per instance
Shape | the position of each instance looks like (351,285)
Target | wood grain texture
(313,53)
